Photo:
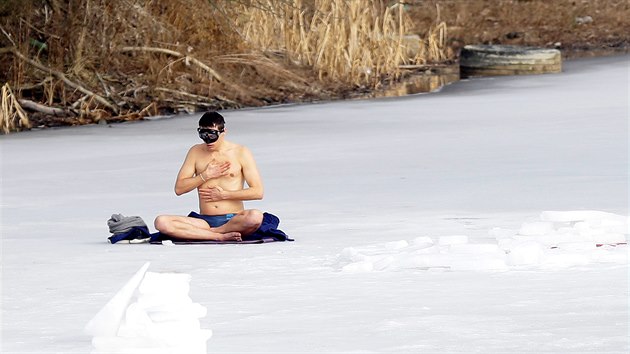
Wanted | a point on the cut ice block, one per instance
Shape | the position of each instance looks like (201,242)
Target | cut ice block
(173,313)
(525,253)
(150,302)
(358,267)
(577,246)
(383,263)
(422,240)
(478,248)
(580,215)
(107,321)
(536,228)
(610,238)
(396,245)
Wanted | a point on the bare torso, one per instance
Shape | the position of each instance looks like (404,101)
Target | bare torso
(233,180)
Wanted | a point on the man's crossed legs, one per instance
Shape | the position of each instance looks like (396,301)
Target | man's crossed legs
(241,224)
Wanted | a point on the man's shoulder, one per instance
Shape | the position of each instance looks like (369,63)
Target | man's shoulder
(238,148)
(196,148)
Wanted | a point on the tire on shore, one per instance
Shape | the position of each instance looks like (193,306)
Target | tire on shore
(494,60)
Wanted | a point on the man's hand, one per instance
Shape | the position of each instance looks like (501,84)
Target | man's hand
(215,169)
(212,194)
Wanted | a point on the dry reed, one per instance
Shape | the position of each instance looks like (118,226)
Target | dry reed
(86,61)
(355,42)
(12,116)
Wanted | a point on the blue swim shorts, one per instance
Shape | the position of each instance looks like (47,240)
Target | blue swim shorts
(213,220)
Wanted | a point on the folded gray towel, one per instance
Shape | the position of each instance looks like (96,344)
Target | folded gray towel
(119,223)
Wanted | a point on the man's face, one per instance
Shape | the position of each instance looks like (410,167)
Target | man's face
(209,135)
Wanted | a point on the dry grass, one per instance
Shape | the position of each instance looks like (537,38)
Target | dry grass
(354,42)
(12,116)
(109,60)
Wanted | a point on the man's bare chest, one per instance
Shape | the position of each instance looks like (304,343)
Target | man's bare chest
(234,171)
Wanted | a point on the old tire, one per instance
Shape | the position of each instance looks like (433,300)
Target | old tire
(491,60)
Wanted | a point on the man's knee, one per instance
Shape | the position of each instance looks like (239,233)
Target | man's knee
(253,218)
(162,223)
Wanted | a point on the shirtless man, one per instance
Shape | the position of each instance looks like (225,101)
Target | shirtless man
(218,169)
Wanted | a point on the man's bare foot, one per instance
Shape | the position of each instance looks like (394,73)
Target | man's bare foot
(230,236)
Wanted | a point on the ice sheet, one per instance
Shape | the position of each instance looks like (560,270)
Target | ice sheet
(479,159)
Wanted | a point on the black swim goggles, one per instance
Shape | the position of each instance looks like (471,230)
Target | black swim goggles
(209,136)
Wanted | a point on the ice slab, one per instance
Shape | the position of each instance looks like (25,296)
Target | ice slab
(107,321)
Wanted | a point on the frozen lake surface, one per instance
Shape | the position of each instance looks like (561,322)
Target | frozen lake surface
(360,185)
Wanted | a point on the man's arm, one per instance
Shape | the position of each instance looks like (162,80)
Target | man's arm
(255,189)
(187,180)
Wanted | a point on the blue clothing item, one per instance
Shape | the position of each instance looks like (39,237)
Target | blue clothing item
(137,234)
(212,220)
(268,230)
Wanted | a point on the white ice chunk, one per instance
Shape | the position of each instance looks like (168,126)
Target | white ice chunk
(580,215)
(588,231)
(559,240)
(610,238)
(576,246)
(175,332)
(407,262)
(422,240)
(435,260)
(107,321)
(396,245)
(506,243)
(349,253)
(193,344)
(565,230)
(173,313)
(555,239)
(156,301)
(384,262)
(500,233)
(479,248)
(453,240)
(358,267)
(136,324)
(616,226)
(526,253)
(536,228)
(427,250)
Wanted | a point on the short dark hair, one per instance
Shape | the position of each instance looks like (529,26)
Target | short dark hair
(212,119)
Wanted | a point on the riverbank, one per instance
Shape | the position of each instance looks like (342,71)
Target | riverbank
(193,62)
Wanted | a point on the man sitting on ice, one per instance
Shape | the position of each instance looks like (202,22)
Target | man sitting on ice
(224,175)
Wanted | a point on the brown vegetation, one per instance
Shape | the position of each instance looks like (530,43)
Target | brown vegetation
(576,27)
(83,61)
(113,60)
